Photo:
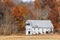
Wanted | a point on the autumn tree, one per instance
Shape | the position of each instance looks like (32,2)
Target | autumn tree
(5,8)
(18,13)
(52,8)
(37,6)
(53,15)
(37,3)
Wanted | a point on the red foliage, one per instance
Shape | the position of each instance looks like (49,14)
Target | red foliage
(53,16)
(19,11)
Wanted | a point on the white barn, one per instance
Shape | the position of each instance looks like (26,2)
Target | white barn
(38,27)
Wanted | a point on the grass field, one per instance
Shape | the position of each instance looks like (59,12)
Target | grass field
(33,37)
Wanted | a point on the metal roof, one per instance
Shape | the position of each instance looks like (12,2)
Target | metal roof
(40,23)
(28,0)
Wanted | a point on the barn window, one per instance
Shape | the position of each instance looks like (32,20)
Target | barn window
(51,31)
(28,32)
(43,32)
(28,24)
(47,32)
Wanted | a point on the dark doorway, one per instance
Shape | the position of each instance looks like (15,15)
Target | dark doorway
(47,32)
(43,32)
(39,33)
(28,32)
(51,31)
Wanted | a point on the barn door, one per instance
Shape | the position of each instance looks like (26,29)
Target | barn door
(28,32)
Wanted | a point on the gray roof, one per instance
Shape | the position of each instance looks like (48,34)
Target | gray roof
(28,0)
(40,23)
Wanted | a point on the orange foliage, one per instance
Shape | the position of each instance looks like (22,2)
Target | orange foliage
(58,18)
(53,16)
(37,3)
(23,10)
(19,11)
(55,25)
(8,3)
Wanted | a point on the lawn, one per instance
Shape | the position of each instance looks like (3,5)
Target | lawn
(33,37)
